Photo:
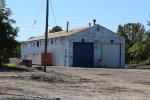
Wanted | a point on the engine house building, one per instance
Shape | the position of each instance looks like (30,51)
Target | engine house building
(91,46)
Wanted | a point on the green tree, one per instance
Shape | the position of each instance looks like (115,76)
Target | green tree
(55,29)
(149,23)
(139,51)
(8,33)
(133,33)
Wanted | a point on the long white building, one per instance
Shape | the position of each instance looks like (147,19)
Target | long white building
(81,47)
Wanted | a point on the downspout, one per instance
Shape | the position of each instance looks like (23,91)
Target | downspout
(120,57)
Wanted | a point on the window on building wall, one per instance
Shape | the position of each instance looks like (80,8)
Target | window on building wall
(37,44)
(40,43)
(34,44)
(56,41)
(98,29)
(52,41)
(49,41)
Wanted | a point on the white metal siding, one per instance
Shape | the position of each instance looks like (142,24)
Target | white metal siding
(111,55)
(63,50)
(36,59)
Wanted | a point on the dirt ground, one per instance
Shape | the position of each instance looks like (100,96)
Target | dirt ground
(60,83)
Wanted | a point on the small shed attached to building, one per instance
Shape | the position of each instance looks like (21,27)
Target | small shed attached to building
(91,46)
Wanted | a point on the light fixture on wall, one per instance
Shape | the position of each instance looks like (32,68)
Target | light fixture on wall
(111,41)
(82,40)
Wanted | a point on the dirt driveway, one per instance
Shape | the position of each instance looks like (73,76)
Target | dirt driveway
(76,84)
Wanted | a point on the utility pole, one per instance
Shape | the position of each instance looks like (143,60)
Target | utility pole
(46,34)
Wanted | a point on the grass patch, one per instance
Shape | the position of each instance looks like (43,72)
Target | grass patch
(11,67)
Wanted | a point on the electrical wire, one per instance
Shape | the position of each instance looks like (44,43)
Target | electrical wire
(53,12)
(39,10)
(38,13)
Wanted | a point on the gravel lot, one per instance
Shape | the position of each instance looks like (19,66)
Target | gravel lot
(60,83)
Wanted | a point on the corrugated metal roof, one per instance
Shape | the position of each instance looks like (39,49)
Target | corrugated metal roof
(60,34)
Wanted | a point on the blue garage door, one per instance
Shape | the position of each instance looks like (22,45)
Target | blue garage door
(83,54)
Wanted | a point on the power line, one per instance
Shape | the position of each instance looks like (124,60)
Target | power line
(38,13)
(53,12)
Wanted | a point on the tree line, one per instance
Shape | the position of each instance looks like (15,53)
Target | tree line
(8,33)
(137,38)
(137,41)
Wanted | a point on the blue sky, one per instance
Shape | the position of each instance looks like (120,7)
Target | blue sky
(108,13)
